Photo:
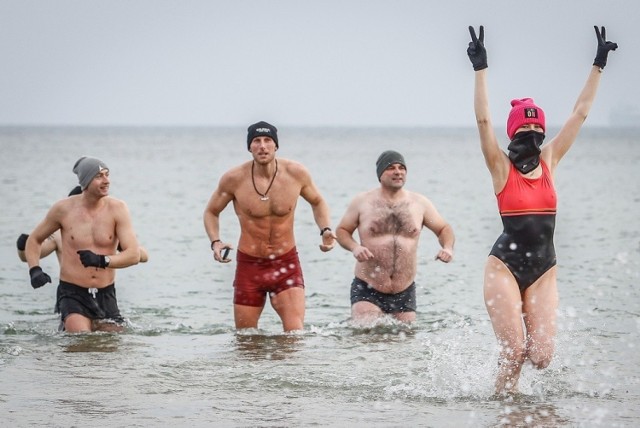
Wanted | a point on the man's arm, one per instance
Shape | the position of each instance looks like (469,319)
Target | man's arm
(48,246)
(443,231)
(218,201)
(130,254)
(348,225)
(320,209)
(144,255)
(33,246)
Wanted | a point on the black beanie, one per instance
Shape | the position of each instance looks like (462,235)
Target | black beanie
(388,158)
(262,129)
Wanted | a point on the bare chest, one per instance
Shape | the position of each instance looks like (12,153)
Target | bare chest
(391,219)
(280,200)
(86,229)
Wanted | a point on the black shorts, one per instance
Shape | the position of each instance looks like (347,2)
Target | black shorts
(99,304)
(405,301)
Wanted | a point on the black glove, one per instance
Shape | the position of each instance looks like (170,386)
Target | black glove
(38,277)
(476,51)
(22,241)
(91,259)
(603,47)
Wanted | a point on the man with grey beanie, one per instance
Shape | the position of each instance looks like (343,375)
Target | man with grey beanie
(92,225)
(389,220)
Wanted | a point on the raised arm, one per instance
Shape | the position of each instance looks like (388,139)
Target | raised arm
(561,144)
(496,160)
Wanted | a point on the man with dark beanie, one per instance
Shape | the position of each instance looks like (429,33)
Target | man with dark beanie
(264,192)
(92,224)
(389,220)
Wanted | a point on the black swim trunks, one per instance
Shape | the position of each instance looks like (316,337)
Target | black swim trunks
(99,304)
(405,301)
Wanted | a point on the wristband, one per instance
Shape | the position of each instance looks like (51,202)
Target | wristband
(213,243)
(324,230)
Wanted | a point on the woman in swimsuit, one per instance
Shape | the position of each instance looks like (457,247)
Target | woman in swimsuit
(520,273)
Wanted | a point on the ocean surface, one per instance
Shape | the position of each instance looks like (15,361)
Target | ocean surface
(181,362)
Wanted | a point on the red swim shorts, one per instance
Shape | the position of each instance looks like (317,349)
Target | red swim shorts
(257,276)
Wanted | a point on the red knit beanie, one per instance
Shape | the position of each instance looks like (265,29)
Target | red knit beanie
(524,111)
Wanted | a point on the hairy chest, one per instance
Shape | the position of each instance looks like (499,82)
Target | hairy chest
(391,219)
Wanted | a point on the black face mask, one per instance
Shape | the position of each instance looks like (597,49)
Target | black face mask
(524,150)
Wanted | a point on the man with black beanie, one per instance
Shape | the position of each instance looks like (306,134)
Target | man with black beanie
(264,192)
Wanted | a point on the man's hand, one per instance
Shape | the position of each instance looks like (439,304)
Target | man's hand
(38,277)
(476,51)
(91,259)
(603,47)
(444,255)
(328,241)
(362,254)
(221,251)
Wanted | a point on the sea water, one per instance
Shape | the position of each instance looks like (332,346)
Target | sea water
(181,362)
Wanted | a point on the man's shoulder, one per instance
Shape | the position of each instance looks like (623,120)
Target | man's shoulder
(294,169)
(291,165)
(115,203)
(63,204)
(236,172)
(417,198)
(366,196)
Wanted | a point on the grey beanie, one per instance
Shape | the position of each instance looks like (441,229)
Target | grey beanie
(388,158)
(86,168)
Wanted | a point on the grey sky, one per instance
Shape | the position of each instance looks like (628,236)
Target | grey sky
(295,62)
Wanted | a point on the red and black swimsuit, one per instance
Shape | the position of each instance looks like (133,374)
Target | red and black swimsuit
(528,211)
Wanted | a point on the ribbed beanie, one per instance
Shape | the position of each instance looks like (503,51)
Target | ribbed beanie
(524,111)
